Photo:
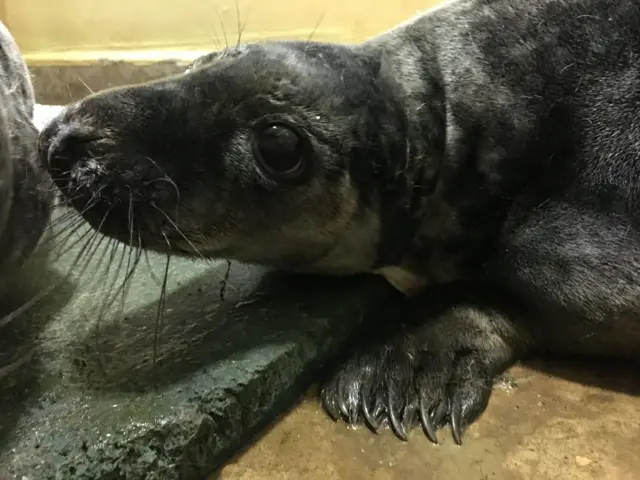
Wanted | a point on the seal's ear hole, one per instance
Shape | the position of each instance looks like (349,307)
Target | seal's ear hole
(279,150)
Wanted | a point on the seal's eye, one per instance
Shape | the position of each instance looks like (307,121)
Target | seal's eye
(279,150)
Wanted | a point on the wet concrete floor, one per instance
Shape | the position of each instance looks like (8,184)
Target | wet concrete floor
(563,421)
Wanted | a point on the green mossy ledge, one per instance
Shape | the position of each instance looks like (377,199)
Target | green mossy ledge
(122,393)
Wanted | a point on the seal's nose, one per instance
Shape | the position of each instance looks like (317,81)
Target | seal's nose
(61,143)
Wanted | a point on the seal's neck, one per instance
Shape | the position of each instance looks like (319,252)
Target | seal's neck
(409,76)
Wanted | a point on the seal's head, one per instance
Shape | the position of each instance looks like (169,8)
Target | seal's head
(269,153)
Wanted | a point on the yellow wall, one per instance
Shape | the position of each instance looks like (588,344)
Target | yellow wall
(152,28)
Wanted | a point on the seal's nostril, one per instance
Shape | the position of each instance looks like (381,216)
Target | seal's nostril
(44,141)
(61,145)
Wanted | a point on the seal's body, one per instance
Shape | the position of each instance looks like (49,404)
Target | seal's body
(484,157)
(26,193)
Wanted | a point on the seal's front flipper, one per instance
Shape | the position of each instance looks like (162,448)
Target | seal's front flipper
(440,370)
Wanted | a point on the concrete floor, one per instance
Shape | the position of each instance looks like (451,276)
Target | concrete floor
(558,421)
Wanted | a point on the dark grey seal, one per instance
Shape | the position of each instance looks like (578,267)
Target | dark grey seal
(26,193)
(26,202)
(484,157)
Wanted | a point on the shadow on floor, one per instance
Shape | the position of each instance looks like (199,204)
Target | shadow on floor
(605,373)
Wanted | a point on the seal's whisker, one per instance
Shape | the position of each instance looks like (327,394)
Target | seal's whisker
(131,229)
(317,25)
(90,204)
(130,216)
(66,224)
(224,32)
(60,248)
(122,290)
(89,248)
(66,216)
(103,254)
(225,280)
(166,178)
(65,207)
(63,224)
(170,182)
(61,178)
(107,299)
(150,268)
(79,214)
(126,252)
(62,174)
(70,235)
(112,295)
(61,206)
(70,242)
(161,305)
(174,225)
(130,269)
(238,27)
(242,26)
(80,220)
(85,84)
(52,184)
(138,255)
(85,256)
(60,235)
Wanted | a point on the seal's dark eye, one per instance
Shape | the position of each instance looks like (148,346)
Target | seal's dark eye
(279,150)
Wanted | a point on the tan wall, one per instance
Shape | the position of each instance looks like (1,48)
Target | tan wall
(152,28)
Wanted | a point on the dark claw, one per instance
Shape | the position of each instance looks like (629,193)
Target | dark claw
(371,420)
(329,404)
(348,399)
(456,423)
(394,407)
(427,420)
(470,395)
(393,411)
(410,414)
(373,417)
(439,414)
(371,407)
(352,413)
(343,408)
(398,427)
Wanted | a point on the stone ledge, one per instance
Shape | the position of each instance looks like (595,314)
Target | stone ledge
(93,404)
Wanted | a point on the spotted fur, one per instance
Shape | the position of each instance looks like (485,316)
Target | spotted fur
(483,156)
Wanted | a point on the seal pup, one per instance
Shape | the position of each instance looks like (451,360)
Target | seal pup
(484,157)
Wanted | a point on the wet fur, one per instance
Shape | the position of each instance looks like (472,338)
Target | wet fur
(482,156)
